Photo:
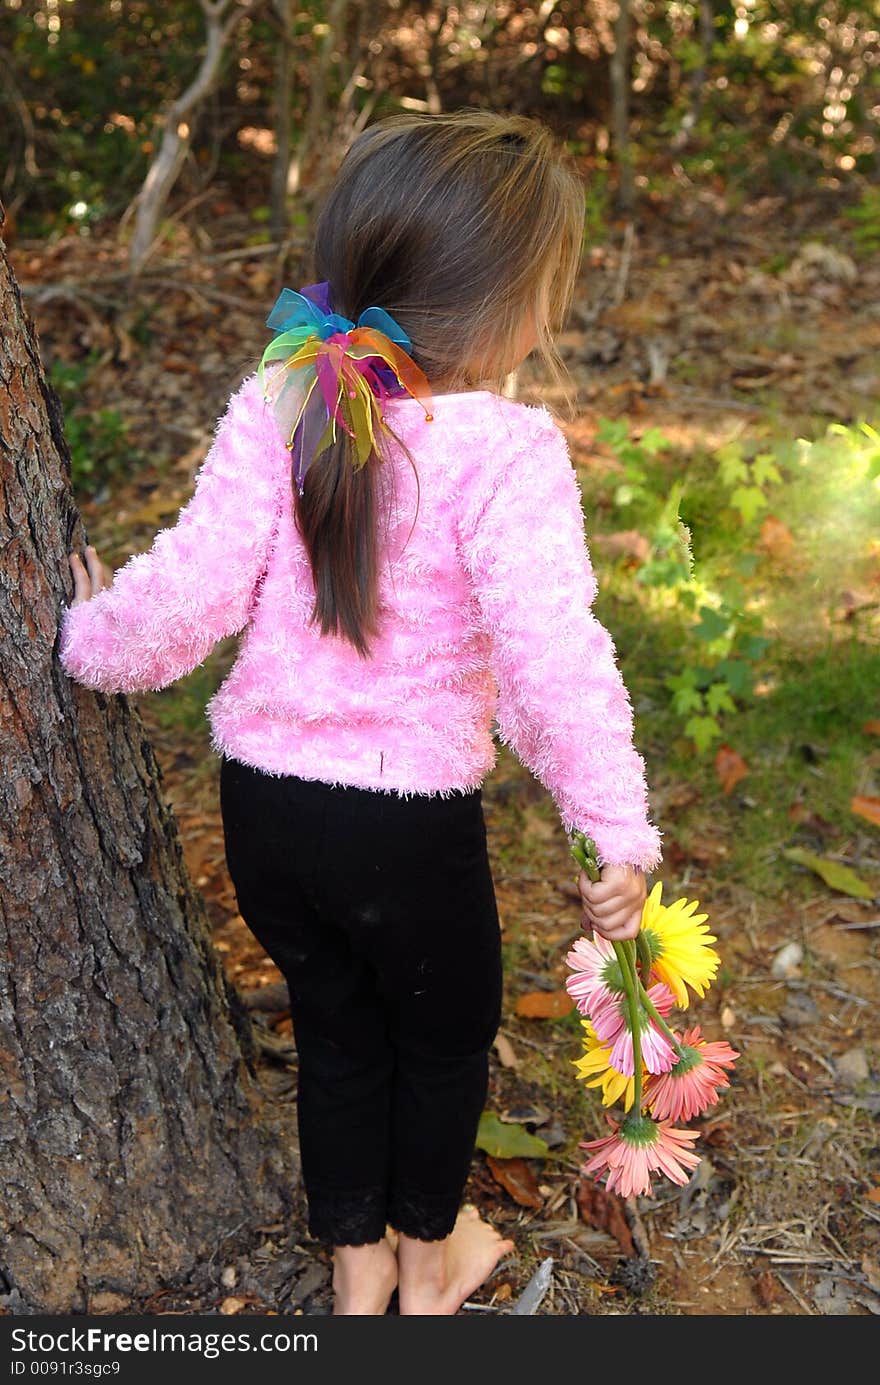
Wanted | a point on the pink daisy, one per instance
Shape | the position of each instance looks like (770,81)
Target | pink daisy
(596,969)
(637,1148)
(610,1018)
(692,1085)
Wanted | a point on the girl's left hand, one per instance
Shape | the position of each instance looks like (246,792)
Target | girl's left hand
(613,905)
(88,580)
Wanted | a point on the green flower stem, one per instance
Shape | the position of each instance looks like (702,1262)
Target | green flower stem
(630,981)
(658,1019)
(645,958)
(583,849)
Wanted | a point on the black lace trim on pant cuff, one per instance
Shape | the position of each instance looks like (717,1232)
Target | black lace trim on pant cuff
(423,1216)
(347,1219)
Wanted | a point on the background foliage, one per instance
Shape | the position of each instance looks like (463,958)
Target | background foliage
(782,96)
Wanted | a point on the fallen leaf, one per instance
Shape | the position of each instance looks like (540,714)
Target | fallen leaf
(768,1288)
(232,1305)
(776,537)
(544,1005)
(874,1194)
(872,728)
(835,875)
(813,822)
(505,1050)
(507,1141)
(606,1212)
(730,767)
(627,543)
(705,852)
(851,602)
(159,508)
(718,1136)
(844,912)
(313,1277)
(674,853)
(525,1114)
(534,825)
(834,1297)
(503,1293)
(866,808)
(871,1271)
(516,1177)
(105,1302)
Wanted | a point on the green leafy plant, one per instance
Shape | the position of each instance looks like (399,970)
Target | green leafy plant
(865,218)
(724,642)
(98,439)
(863,441)
(635,456)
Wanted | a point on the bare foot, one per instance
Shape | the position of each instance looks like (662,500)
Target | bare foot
(364,1278)
(437,1276)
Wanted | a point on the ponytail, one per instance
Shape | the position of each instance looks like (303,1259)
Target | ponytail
(336,517)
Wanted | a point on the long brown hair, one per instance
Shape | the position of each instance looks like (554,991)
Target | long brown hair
(460,226)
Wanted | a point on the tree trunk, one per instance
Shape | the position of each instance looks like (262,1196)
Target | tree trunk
(620,85)
(310,169)
(283,89)
(133,1135)
(697,77)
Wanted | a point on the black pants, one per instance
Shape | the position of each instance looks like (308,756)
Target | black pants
(380,912)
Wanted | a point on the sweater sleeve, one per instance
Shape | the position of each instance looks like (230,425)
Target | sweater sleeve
(166,608)
(563,707)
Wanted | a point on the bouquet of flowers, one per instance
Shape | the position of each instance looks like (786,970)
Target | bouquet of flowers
(626,991)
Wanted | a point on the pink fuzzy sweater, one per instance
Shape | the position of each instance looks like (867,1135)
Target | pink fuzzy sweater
(485,614)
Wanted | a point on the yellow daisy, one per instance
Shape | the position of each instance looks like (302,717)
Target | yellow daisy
(679,943)
(595,1065)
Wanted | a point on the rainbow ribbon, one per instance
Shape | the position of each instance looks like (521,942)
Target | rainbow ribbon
(349,371)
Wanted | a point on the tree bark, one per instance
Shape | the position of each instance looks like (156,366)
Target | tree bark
(133,1132)
(283,89)
(620,85)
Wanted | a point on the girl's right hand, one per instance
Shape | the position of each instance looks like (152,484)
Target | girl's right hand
(88,580)
(613,905)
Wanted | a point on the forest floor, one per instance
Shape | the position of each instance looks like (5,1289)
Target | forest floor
(710,322)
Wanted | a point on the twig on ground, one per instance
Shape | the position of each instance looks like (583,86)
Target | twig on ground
(802,1303)
(533,1294)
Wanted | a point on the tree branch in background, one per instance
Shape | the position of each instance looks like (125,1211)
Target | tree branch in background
(222,18)
(299,172)
(697,80)
(283,92)
(620,86)
(9,88)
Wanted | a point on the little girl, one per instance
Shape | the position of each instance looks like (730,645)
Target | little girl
(403,548)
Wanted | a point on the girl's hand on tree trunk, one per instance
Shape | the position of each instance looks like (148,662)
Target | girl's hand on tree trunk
(88,580)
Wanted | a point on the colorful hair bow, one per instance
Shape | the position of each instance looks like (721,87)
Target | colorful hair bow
(348,371)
